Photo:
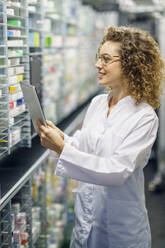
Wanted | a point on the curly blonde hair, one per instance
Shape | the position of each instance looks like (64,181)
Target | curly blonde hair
(141,63)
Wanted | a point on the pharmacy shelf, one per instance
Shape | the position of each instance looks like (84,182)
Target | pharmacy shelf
(17,46)
(56,17)
(35,53)
(12,6)
(11,67)
(16,27)
(10,17)
(35,4)
(34,13)
(20,165)
(18,37)
(16,174)
(20,162)
(16,56)
(35,29)
(23,161)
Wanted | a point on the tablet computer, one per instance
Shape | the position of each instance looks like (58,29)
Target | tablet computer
(33,104)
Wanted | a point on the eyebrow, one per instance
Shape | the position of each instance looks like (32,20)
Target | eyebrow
(110,55)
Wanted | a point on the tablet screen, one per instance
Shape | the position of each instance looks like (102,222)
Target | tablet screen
(33,104)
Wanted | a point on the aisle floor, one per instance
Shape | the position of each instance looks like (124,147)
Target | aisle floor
(155,203)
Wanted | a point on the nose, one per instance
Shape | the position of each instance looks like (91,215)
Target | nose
(98,64)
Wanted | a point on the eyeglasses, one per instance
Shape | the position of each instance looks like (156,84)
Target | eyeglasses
(106,59)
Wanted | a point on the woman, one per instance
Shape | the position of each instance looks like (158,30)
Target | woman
(108,154)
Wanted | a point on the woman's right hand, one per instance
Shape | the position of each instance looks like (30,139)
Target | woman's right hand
(50,124)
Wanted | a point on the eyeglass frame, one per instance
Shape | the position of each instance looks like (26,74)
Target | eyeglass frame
(104,63)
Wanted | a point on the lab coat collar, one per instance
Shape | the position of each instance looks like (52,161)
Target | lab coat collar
(126,103)
(126,99)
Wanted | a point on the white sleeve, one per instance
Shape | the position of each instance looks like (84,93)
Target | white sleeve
(134,151)
(73,140)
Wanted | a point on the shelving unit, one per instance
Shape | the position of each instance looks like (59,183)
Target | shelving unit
(16,213)
(42,43)
(39,44)
(40,201)
(3,85)
(87,53)
(35,34)
(53,57)
(36,215)
(15,120)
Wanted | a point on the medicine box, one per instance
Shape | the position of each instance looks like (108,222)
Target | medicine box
(32,9)
(2,61)
(11,71)
(16,96)
(15,135)
(10,11)
(48,41)
(13,62)
(13,89)
(19,70)
(15,52)
(19,78)
(15,42)
(12,33)
(16,23)
(20,101)
(15,4)
(36,39)
(12,105)
(12,79)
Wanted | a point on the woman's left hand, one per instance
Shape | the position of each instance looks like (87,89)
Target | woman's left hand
(50,138)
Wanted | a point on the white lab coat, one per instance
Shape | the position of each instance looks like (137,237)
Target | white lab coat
(107,157)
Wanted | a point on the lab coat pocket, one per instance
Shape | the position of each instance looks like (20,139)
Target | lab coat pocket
(77,210)
(127,221)
(79,200)
(80,205)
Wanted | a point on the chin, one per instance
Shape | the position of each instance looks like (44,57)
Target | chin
(103,83)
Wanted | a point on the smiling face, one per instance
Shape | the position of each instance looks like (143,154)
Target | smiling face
(109,67)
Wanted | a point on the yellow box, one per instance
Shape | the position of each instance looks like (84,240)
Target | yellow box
(19,78)
(36,39)
(13,89)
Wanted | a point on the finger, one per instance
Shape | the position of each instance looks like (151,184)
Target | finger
(42,140)
(42,137)
(50,124)
(43,129)
(39,122)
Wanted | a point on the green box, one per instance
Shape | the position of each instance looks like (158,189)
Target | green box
(2,62)
(13,23)
(48,41)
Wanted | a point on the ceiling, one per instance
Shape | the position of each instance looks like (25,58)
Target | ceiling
(106,5)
